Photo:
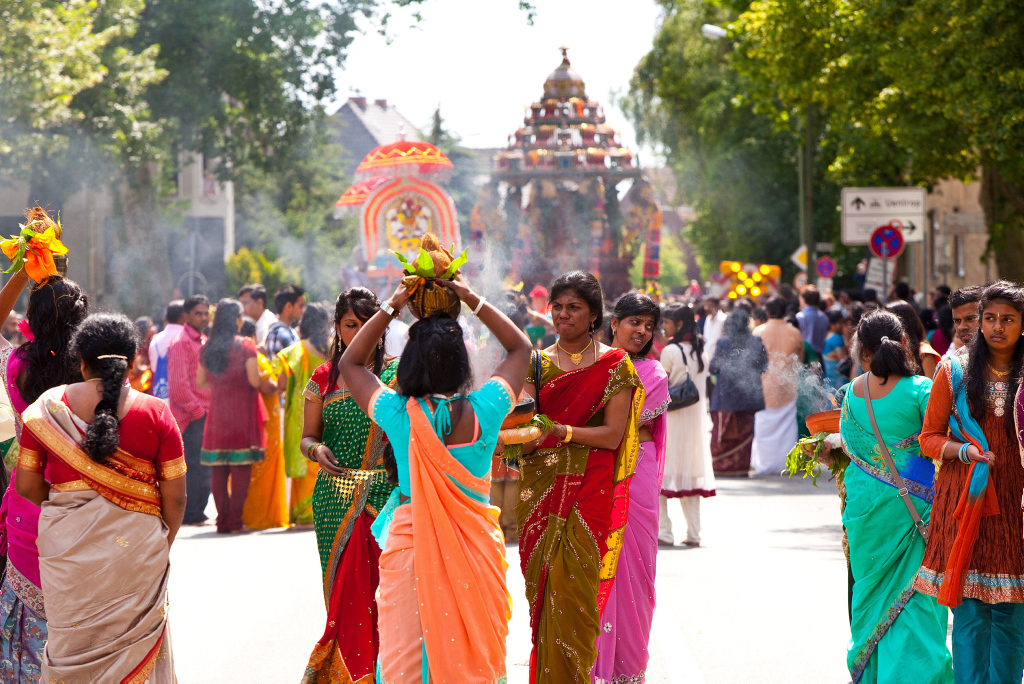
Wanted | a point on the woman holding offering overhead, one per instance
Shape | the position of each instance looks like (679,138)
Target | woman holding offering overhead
(444,607)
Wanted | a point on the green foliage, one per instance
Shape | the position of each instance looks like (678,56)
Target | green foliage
(735,164)
(799,461)
(673,266)
(911,92)
(289,211)
(244,267)
(461,186)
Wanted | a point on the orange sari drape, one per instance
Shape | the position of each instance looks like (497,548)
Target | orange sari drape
(442,574)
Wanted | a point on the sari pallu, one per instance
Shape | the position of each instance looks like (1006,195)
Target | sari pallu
(573,506)
(348,649)
(103,533)
(622,654)
(444,606)
(894,629)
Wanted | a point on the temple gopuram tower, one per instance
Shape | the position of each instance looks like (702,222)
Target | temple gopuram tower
(552,204)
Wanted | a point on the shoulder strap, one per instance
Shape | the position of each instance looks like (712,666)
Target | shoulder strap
(685,362)
(903,491)
(537,370)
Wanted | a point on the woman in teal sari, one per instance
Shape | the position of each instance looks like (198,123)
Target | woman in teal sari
(895,630)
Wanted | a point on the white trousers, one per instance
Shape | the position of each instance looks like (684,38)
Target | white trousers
(691,511)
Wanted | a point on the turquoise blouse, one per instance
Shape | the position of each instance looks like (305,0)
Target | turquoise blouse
(491,403)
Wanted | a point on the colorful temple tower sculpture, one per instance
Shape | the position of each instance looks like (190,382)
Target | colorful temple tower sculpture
(398,202)
(552,203)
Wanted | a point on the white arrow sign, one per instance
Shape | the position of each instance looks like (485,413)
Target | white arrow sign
(865,209)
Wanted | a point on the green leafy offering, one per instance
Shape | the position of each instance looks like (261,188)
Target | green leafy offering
(513,452)
(797,460)
(423,265)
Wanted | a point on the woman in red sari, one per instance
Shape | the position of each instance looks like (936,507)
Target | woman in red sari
(574,483)
(105,463)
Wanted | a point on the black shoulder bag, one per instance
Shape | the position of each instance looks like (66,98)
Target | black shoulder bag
(685,394)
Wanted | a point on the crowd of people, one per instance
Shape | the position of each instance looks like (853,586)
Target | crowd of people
(386,438)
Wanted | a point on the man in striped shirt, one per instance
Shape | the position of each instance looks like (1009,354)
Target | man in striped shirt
(189,404)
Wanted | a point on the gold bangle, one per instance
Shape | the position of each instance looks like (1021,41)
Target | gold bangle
(568,434)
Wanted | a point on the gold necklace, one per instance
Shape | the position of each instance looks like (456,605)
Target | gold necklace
(998,374)
(577,358)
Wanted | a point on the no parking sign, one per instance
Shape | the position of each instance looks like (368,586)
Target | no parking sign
(825,267)
(887,241)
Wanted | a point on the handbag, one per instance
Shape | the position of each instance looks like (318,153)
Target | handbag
(900,484)
(686,393)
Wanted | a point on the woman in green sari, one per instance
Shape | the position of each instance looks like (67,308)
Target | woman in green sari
(351,489)
(299,361)
(896,631)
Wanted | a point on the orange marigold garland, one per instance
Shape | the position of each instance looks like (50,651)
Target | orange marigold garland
(34,247)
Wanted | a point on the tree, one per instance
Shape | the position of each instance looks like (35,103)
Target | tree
(912,91)
(461,186)
(735,164)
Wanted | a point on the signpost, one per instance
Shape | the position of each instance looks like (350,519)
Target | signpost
(864,209)
(887,243)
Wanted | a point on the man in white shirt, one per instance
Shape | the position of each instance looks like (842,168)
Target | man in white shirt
(715,319)
(173,323)
(254,305)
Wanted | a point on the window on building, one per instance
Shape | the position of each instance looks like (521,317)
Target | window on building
(960,251)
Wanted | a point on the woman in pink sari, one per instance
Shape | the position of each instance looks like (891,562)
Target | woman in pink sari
(626,622)
(55,308)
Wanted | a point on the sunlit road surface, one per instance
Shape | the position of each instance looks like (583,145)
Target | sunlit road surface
(762,600)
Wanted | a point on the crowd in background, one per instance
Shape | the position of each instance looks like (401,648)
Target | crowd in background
(288,415)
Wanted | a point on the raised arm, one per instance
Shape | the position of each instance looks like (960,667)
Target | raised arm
(9,296)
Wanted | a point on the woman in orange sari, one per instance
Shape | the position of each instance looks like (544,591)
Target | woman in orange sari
(105,463)
(574,483)
(443,603)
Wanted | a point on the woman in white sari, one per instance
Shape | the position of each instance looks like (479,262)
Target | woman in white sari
(105,463)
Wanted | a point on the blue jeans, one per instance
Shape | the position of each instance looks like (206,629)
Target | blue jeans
(988,642)
(197,479)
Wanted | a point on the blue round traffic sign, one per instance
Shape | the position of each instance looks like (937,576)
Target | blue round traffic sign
(887,240)
(825,267)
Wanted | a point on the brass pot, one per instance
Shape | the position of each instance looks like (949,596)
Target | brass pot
(430,297)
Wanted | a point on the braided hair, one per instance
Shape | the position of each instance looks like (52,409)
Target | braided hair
(106,343)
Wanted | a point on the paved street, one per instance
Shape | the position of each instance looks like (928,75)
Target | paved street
(763,600)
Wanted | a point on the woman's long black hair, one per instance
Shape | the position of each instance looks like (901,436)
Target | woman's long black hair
(880,334)
(435,360)
(106,343)
(1001,291)
(55,308)
(913,328)
(315,326)
(222,335)
(637,304)
(687,331)
(364,304)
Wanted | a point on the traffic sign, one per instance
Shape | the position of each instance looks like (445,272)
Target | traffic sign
(826,267)
(864,209)
(799,257)
(800,281)
(887,241)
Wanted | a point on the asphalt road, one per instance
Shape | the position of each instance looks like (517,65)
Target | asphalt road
(762,600)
